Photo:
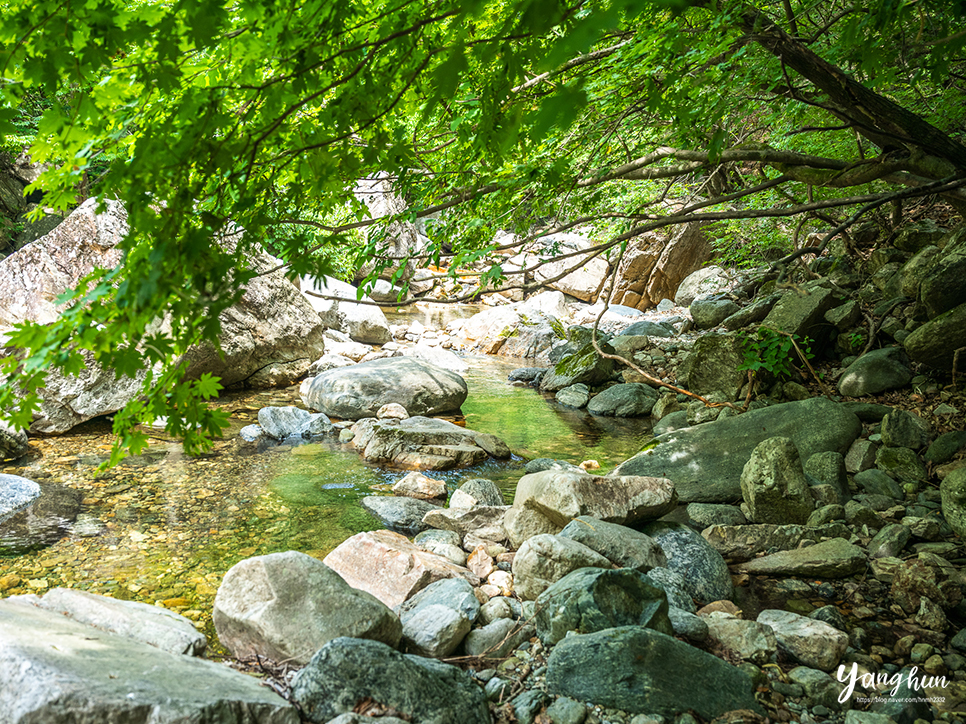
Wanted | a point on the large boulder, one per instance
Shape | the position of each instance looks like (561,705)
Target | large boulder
(942,287)
(399,513)
(953,492)
(425,443)
(562,495)
(705,462)
(351,393)
(773,484)
(875,372)
(583,366)
(347,672)
(709,280)
(713,366)
(364,323)
(704,573)
(390,567)
(637,670)
(528,328)
(268,338)
(937,341)
(545,559)
(633,399)
(586,281)
(622,546)
(152,625)
(285,606)
(13,442)
(802,313)
(401,239)
(53,669)
(592,599)
(16,493)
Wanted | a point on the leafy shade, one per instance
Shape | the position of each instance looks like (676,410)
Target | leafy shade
(204,116)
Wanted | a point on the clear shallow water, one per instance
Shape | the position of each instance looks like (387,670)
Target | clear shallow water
(164,528)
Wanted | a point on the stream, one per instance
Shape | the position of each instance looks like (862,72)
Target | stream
(163,528)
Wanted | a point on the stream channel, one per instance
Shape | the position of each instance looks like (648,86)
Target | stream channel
(163,527)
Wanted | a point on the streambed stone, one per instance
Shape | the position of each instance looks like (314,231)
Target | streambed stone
(704,572)
(425,443)
(545,559)
(623,546)
(390,567)
(743,542)
(13,443)
(813,643)
(347,671)
(401,514)
(637,669)
(285,606)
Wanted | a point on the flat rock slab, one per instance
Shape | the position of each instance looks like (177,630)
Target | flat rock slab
(705,462)
(152,625)
(351,393)
(390,567)
(55,670)
(835,558)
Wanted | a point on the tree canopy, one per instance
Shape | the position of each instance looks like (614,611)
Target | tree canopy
(204,115)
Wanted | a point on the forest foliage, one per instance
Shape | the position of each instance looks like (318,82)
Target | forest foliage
(537,116)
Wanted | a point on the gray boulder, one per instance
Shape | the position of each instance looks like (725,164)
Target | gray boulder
(152,625)
(901,428)
(773,484)
(351,393)
(705,574)
(709,280)
(346,671)
(622,546)
(424,443)
(290,421)
(742,542)
(708,312)
(497,638)
(705,462)
(953,492)
(561,496)
(476,491)
(16,493)
(811,642)
(802,313)
(712,366)
(545,559)
(13,443)
(402,514)
(751,640)
(633,399)
(362,322)
(637,669)
(935,343)
(574,396)
(285,606)
(53,669)
(875,372)
(582,366)
(593,599)
(646,329)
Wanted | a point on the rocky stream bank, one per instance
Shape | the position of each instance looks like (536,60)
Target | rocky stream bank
(786,549)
